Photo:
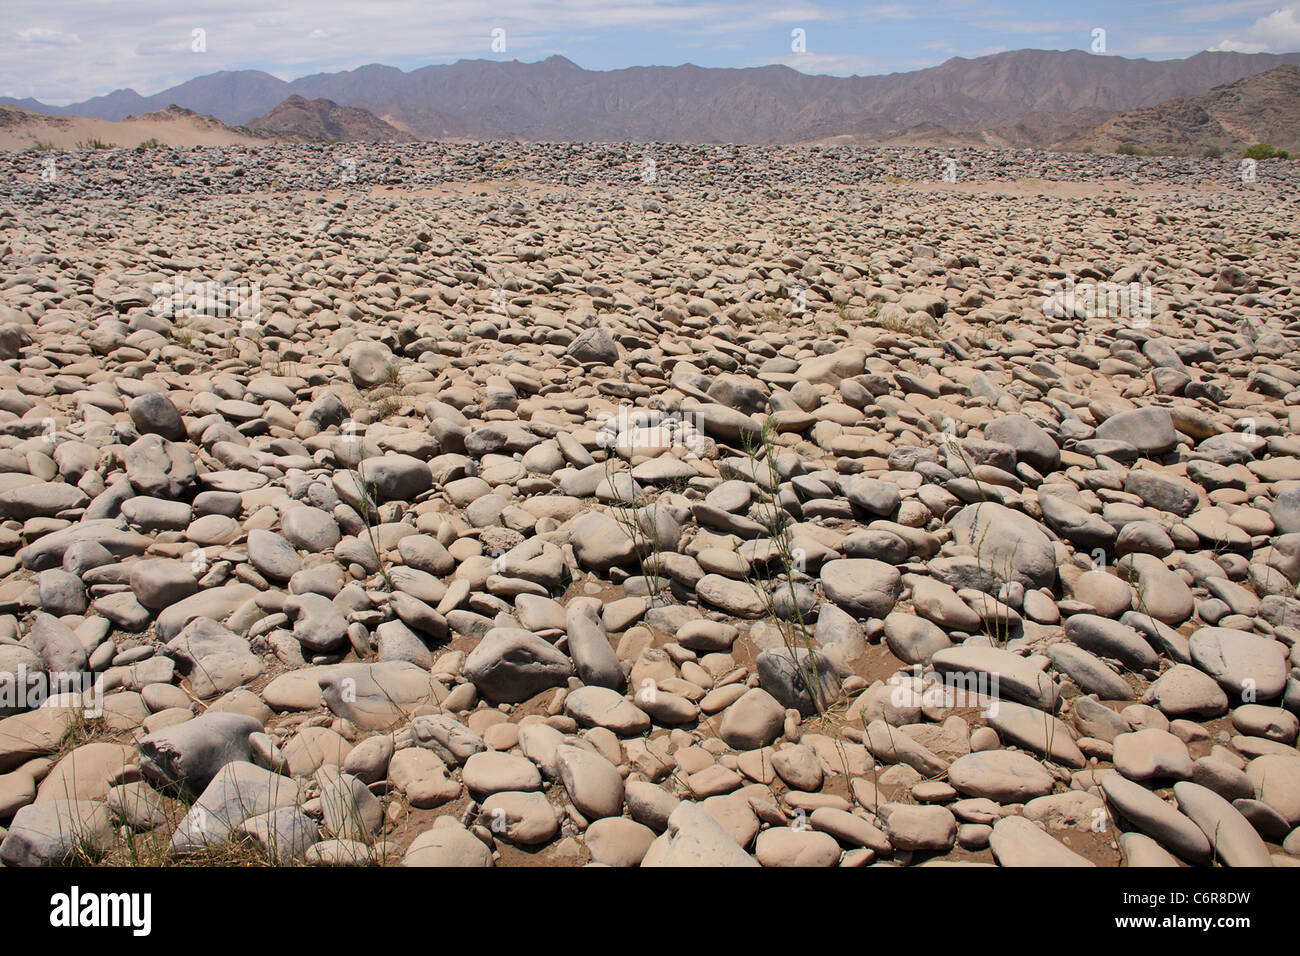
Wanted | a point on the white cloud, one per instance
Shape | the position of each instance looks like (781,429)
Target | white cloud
(1220,10)
(1279,32)
(825,63)
(42,36)
(168,47)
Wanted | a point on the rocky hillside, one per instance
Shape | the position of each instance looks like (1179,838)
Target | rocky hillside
(323,119)
(1259,109)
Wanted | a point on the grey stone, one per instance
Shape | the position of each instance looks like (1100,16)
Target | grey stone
(807,681)
(188,756)
(1012,545)
(57,832)
(1155,817)
(695,839)
(861,586)
(154,413)
(238,791)
(510,665)
(1231,836)
(1018,842)
(593,656)
(1150,430)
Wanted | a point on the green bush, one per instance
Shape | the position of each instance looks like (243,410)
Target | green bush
(1214,152)
(1265,151)
(1127,149)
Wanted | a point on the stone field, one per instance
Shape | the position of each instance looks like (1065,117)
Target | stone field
(552,505)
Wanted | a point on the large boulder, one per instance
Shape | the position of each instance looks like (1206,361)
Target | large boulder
(396,477)
(510,665)
(1012,545)
(187,756)
(57,832)
(1031,441)
(1150,430)
(237,792)
(694,839)
(215,658)
(861,586)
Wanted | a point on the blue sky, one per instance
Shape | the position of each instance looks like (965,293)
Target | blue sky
(66,51)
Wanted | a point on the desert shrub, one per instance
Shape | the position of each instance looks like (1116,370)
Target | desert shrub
(1265,151)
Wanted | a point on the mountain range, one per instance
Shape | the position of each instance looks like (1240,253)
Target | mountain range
(1023,98)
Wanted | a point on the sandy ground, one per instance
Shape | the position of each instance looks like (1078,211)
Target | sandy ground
(20,129)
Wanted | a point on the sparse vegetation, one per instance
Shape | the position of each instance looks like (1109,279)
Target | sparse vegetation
(919,324)
(369,511)
(1265,151)
(82,729)
(983,336)
(386,399)
(639,520)
(795,633)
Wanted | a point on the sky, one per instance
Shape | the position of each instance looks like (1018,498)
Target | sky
(63,51)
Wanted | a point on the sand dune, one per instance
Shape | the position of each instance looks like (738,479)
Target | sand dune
(21,129)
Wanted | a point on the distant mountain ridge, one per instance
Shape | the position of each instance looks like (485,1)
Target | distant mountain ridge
(1017,98)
